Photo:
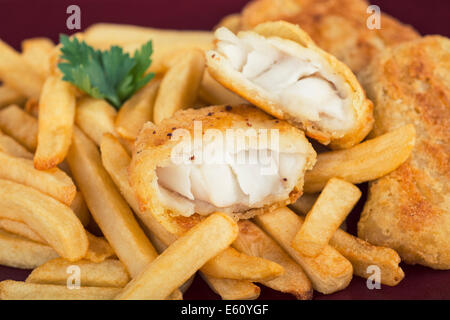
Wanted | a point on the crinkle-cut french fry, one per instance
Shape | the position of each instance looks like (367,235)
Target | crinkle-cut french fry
(12,147)
(232,264)
(214,93)
(304,203)
(329,272)
(95,117)
(116,161)
(166,43)
(56,120)
(52,220)
(19,252)
(107,206)
(108,273)
(53,182)
(37,52)
(10,96)
(253,241)
(16,73)
(182,259)
(366,161)
(20,125)
(21,229)
(80,209)
(362,255)
(136,111)
(179,87)
(18,290)
(329,211)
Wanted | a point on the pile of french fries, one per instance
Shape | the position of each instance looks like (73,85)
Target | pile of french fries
(64,177)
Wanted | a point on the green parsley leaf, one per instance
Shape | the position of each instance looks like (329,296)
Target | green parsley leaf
(112,75)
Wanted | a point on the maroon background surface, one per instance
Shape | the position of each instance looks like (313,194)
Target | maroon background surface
(21,19)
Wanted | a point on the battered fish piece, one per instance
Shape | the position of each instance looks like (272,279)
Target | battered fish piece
(278,68)
(337,26)
(409,209)
(236,160)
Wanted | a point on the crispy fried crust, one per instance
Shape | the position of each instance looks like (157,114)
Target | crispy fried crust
(409,209)
(154,146)
(361,106)
(337,26)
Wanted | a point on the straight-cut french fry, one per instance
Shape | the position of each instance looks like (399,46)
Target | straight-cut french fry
(20,125)
(19,252)
(16,73)
(80,209)
(136,111)
(21,229)
(95,117)
(53,182)
(329,211)
(32,107)
(18,290)
(182,259)
(329,272)
(366,161)
(99,249)
(56,118)
(180,85)
(116,162)
(10,96)
(362,255)
(52,220)
(214,93)
(253,241)
(167,43)
(12,147)
(304,204)
(109,273)
(37,52)
(107,206)
(232,264)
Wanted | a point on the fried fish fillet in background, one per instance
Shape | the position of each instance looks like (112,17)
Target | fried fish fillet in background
(190,164)
(409,209)
(337,26)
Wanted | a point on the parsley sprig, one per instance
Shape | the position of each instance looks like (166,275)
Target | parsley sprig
(112,75)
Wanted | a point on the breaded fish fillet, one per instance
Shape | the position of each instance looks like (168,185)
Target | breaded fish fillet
(409,209)
(278,68)
(236,160)
(337,26)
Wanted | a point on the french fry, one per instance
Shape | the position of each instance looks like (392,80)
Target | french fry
(21,229)
(80,209)
(10,96)
(229,264)
(116,162)
(95,117)
(107,206)
(362,255)
(16,73)
(18,290)
(53,182)
(136,111)
(253,241)
(32,107)
(180,85)
(109,273)
(37,52)
(366,161)
(329,211)
(56,118)
(329,272)
(20,125)
(99,249)
(182,259)
(18,252)
(214,93)
(167,43)
(12,147)
(52,220)
(232,264)
(304,204)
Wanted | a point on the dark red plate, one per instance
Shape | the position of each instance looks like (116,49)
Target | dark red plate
(21,19)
